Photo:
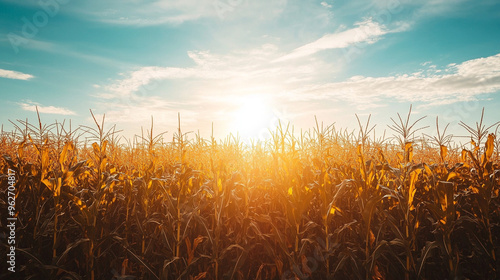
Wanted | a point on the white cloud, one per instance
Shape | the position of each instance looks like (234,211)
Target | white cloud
(326,5)
(460,82)
(32,107)
(174,12)
(367,31)
(14,75)
(208,90)
(154,13)
(481,68)
(236,70)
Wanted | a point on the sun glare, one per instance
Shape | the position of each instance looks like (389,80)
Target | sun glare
(253,117)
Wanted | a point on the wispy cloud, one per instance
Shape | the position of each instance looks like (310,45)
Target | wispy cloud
(217,80)
(158,12)
(367,31)
(173,12)
(31,106)
(439,7)
(207,90)
(455,83)
(9,74)
(236,71)
(326,5)
(69,50)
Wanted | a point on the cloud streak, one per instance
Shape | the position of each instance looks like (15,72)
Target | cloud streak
(367,31)
(32,107)
(8,74)
(210,89)
(173,12)
(455,83)
(234,71)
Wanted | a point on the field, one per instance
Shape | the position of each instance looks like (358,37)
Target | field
(324,204)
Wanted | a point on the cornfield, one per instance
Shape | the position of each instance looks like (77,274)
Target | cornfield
(322,204)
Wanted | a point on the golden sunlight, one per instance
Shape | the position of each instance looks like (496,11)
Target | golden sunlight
(253,116)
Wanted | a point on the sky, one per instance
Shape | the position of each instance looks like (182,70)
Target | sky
(243,66)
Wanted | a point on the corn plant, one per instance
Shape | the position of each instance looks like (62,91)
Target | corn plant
(323,203)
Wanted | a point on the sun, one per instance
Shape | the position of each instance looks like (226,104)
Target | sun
(253,116)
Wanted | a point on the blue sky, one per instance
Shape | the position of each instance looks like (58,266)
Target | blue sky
(244,64)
